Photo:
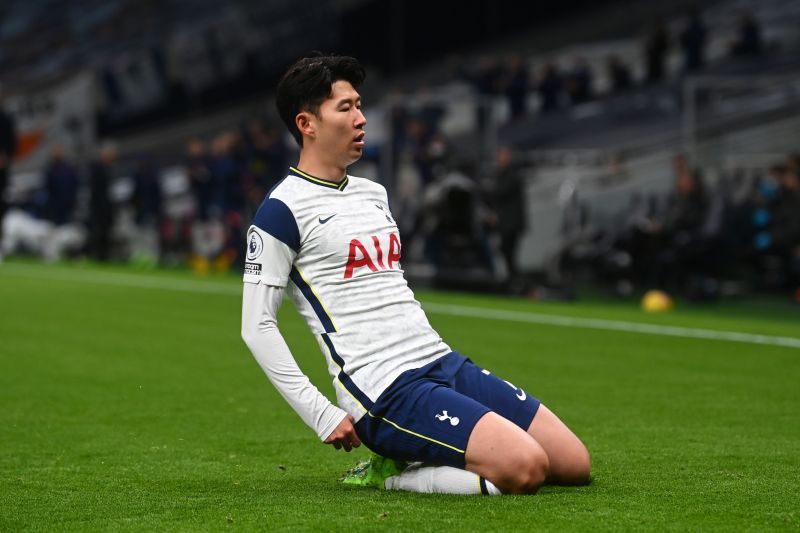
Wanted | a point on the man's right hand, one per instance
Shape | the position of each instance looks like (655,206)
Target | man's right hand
(344,436)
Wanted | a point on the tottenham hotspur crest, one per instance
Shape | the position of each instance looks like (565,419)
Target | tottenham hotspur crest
(254,246)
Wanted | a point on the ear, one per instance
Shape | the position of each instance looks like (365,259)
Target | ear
(305,123)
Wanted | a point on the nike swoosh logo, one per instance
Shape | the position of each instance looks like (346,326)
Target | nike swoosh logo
(521,395)
(324,220)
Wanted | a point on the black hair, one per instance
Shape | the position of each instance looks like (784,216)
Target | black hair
(309,82)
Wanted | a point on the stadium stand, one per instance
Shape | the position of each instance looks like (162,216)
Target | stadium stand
(593,111)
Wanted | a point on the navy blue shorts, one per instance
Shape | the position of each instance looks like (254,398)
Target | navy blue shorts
(428,413)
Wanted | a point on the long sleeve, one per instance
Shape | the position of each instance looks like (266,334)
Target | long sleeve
(260,304)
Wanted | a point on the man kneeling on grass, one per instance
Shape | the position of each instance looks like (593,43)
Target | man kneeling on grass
(435,421)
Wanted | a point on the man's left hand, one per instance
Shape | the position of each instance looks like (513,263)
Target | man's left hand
(344,436)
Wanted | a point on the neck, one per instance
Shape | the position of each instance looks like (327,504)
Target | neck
(319,168)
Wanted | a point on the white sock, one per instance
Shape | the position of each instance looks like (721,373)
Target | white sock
(419,477)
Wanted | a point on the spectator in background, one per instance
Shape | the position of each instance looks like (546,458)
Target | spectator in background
(101,208)
(148,215)
(578,82)
(508,205)
(8,147)
(265,164)
(431,112)
(655,51)
(489,76)
(516,88)
(634,234)
(687,206)
(226,173)
(680,231)
(777,219)
(227,170)
(457,241)
(269,156)
(428,150)
(550,87)
(207,234)
(786,231)
(277,155)
(748,40)
(619,74)
(487,81)
(61,188)
(199,173)
(693,42)
(147,196)
(399,126)
(764,198)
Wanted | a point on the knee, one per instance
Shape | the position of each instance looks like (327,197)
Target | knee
(579,469)
(530,474)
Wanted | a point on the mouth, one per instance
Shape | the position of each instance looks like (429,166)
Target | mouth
(358,140)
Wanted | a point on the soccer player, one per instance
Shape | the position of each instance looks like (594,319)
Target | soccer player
(436,421)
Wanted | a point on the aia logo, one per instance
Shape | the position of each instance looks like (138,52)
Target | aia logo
(359,256)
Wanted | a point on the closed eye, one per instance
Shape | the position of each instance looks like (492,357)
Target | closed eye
(345,104)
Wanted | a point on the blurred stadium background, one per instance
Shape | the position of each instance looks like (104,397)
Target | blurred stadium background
(571,150)
(527,148)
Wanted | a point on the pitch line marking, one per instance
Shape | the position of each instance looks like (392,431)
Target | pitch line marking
(611,325)
(210,287)
(117,279)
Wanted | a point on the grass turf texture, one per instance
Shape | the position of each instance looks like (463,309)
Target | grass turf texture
(130,405)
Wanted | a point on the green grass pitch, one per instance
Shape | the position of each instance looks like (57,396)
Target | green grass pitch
(129,402)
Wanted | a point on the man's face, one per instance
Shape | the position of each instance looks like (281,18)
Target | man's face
(340,125)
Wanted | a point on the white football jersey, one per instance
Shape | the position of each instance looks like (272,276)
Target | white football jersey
(337,248)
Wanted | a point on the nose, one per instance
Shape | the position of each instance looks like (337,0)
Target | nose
(361,120)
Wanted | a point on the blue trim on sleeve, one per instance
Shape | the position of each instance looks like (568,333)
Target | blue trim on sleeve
(316,305)
(327,323)
(344,379)
(275,218)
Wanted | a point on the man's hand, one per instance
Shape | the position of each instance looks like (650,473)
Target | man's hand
(344,435)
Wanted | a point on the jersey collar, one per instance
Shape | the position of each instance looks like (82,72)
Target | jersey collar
(319,181)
